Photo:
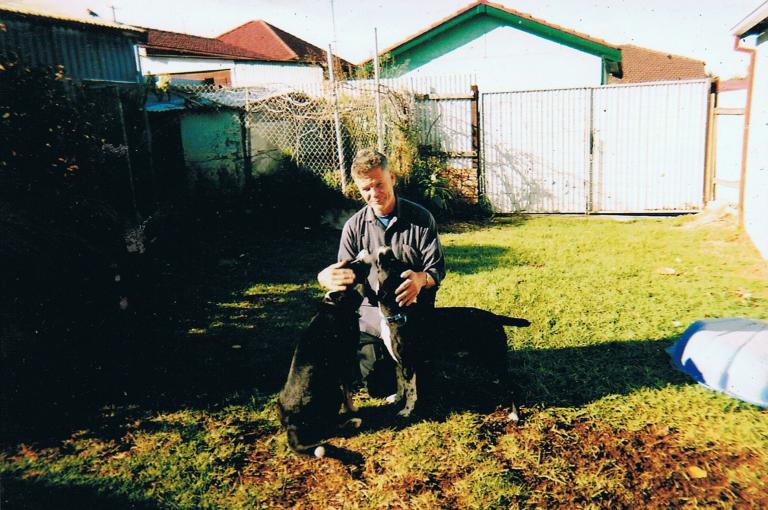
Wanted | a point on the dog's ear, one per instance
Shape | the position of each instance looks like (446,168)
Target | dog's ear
(364,257)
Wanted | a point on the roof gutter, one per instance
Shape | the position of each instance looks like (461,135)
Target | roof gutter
(752,52)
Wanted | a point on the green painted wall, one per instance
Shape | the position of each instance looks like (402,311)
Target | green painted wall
(441,44)
(213,150)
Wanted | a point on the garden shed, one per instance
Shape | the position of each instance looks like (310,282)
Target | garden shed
(87,49)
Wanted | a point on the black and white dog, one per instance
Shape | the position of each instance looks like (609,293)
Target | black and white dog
(416,334)
(323,367)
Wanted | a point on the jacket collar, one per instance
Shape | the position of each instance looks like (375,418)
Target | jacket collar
(397,212)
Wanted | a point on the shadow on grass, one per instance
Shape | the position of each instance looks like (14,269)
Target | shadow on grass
(192,337)
(574,376)
(506,220)
(200,340)
(34,494)
(565,377)
(473,259)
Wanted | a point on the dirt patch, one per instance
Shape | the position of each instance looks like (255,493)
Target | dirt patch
(723,215)
(560,464)
(586,463)
(298,481)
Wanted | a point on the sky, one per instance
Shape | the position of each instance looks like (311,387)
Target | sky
(699,29)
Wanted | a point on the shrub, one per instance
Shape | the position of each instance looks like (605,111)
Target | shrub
(60,232)
(290,197)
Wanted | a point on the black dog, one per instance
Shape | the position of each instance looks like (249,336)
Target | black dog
(416,334)
(323,367)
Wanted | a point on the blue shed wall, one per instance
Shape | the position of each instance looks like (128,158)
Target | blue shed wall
(91,54)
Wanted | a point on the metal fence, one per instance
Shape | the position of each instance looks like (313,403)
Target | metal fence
(623,148)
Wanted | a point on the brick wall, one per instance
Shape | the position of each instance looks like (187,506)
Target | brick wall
(464,182)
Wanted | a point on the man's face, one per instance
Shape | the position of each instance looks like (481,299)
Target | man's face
(377,189)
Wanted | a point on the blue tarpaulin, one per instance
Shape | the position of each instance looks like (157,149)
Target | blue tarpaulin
(727,355)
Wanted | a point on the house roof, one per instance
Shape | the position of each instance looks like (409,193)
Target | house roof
(163,41)
(81,22)
(753,23)
(519,20)
(258,35)
(645,65)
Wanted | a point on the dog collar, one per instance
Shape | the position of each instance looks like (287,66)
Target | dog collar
(398,319)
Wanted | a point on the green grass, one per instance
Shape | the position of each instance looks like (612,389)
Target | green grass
(607,423)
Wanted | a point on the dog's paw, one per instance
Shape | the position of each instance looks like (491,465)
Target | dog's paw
(353,423)
(405,413)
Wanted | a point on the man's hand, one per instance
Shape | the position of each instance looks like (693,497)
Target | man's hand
(408,291)
(335,277)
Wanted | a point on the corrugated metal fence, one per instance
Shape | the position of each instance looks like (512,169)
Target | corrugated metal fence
(623,148)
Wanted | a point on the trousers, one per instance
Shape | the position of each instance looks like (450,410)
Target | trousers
(376,366)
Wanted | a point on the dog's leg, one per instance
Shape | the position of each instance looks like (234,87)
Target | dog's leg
(410,396)
(349,406)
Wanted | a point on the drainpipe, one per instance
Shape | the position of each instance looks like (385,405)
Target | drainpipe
(752,52)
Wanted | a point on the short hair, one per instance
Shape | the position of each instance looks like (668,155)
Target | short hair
(366,160)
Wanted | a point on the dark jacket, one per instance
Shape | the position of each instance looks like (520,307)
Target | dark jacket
(412,235)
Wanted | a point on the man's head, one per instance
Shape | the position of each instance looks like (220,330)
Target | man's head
(374,180)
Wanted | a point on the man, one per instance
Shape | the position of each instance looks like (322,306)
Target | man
(411,232)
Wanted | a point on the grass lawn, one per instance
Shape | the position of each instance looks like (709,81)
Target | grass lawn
(606,422)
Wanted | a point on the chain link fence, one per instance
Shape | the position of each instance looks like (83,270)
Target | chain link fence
(298,121)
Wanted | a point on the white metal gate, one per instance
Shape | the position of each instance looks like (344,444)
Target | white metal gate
(616,148)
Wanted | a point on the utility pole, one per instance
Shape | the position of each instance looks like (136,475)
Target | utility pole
(337,122)
(377,97)
(333,23)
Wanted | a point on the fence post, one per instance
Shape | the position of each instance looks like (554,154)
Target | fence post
(128,164)
(474,107)
(245,141)
(377,97)
(591,174)
(150,155)
(710,145)
(337,121)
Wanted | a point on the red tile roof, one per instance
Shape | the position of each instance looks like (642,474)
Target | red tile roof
(501,8)
(161,41)
(640,65)
(258,35)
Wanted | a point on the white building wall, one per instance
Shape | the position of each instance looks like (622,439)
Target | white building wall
(243,74)
(507,59)
(164,65)
(262,73)
(756,196)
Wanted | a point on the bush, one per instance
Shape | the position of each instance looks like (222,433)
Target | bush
(61,235)
(290,198)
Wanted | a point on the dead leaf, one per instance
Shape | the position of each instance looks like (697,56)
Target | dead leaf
(696,472)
